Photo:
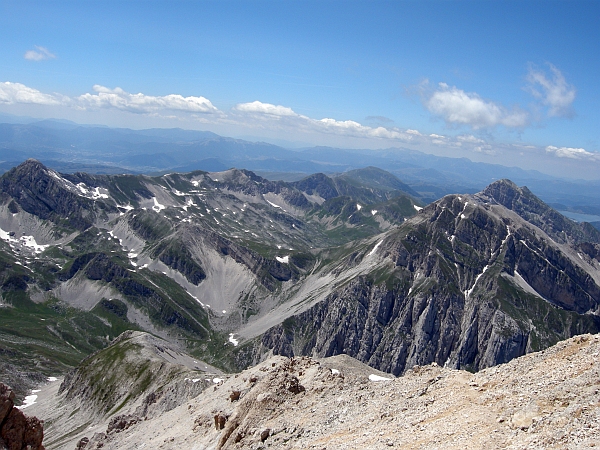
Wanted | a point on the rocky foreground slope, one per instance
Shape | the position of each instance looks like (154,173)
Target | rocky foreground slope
(544,400)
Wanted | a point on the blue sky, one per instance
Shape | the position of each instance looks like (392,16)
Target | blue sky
(506,82)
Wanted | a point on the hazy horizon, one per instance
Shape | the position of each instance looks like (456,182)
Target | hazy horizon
(510,83)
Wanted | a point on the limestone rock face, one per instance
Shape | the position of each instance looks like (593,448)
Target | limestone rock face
(18,431)
(471,282)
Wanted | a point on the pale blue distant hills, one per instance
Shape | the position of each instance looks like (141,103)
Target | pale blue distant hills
(69,147)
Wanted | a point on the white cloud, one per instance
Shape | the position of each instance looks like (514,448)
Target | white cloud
(287,117)
(572,153)
(555,92)
(358,130)
(141,103)
(265,108)
(40,54)
(281,120)
(11,93)
(456,106)
(470,139)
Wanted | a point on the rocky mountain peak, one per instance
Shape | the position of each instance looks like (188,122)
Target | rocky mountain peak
(29,171)
(31,164)
(506,193)
(523,202)
(46,194)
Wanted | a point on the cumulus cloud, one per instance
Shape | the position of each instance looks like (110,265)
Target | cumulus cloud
(141,103)
(486,149)
(553,91)
(39,54)
(456,106)
(572,153)
(11,93)
(286,116)
(265,108)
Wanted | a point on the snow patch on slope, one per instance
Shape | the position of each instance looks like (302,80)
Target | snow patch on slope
(25,241)
(469,291)
(374,377)
(372,252)
(234,341)
(157,206)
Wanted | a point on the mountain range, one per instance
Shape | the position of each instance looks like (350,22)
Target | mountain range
(69,147)
(230,267)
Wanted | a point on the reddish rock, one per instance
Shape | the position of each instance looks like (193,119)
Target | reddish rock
(18,431)
(13,429)
(34,433)
(220,421)
(7,401)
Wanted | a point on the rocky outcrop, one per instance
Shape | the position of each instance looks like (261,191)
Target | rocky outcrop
(268,271)
(17,431)
(466,284)
(149,225)
(159,305)
(175,254)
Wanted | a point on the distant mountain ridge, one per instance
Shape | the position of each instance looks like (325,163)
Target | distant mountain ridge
(68,147)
